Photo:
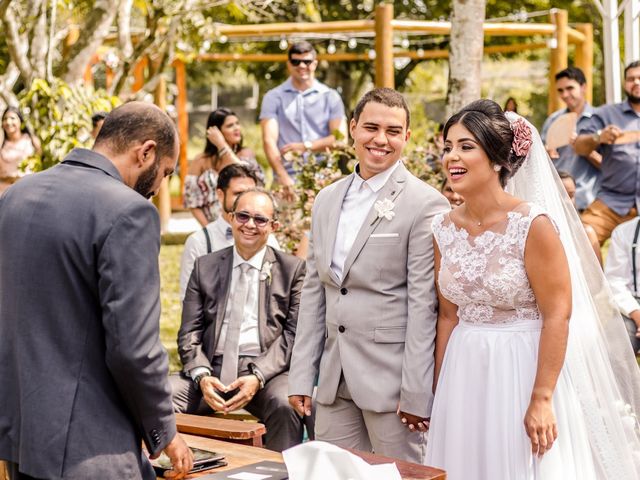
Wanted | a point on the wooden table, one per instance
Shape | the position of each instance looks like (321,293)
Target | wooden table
(238,455)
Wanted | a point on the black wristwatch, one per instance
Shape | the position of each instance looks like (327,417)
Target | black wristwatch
(199,377)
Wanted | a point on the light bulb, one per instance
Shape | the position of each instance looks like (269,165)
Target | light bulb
(331,49)
(283,44)
(352,43)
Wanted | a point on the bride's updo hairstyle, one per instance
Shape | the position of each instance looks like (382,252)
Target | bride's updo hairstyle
(490,127)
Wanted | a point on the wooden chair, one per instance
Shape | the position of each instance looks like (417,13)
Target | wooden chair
(4,475)
(236,431)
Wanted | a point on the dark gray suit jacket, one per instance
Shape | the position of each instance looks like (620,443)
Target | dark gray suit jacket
(205,303)
(82,369)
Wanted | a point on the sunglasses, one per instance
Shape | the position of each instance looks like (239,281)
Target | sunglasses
(258,220)
(295,62)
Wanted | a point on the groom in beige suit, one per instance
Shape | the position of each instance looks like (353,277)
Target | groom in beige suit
(367,320)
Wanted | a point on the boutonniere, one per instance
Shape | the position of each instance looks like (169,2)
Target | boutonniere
(265,272)
(384,209)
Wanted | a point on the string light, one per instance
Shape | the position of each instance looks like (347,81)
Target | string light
(352,43)
(372,54)
(283,44)
(405,43)
(331,49)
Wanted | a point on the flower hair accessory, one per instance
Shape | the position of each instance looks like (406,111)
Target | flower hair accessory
(521,137)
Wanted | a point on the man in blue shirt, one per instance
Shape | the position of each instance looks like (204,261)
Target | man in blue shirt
(571,86)
(617,198)
(299,115)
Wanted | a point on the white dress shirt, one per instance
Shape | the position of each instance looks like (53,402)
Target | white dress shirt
(356,205)
(618,268)
(249,339)
(196,246)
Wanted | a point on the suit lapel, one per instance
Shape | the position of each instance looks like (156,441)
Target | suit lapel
(264,291)
(333,220)
(390,190)
(223,273)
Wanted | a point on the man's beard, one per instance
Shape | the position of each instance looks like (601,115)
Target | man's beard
(632,98)
(144,184)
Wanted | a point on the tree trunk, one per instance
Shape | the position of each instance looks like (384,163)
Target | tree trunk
(465,53)
(94,31)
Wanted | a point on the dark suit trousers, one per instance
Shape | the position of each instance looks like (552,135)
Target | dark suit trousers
(270,405)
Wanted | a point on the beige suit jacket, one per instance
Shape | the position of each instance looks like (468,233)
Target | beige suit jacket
(377,324)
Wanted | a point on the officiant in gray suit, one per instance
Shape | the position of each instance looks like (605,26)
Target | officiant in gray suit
(82,369)
(367,322)
(238,325)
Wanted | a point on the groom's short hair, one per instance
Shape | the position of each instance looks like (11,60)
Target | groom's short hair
(385,96)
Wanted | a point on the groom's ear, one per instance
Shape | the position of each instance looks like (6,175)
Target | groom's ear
(407,135)
(352,126)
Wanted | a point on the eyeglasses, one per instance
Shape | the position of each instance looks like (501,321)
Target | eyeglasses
(296,61)
(258,220)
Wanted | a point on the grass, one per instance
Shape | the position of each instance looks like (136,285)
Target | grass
(170,301)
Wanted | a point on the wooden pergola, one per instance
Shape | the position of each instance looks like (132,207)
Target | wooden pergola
(559,35)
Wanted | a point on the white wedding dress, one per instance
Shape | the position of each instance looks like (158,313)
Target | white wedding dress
(477,423)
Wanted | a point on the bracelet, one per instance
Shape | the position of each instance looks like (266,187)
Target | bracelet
(223,151)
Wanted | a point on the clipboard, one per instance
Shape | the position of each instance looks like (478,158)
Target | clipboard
(202,460)
(560,131)
(630,136)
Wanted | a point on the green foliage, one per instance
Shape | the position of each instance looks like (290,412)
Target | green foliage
(170,301)
(60,116)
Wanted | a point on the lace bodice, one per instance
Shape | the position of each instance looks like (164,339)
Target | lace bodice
(485,275)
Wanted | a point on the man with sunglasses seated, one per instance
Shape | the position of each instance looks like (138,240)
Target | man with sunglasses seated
(239,320)
(300,115)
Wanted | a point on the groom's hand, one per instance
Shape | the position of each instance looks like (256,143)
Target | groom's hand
(413,422)
(301,404)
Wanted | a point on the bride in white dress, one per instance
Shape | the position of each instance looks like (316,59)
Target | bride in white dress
(522,392)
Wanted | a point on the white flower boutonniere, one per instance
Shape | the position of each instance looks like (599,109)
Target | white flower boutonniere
(265,272)
(385,209)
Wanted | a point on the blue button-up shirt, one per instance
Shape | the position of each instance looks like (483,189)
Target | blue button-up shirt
(586,175)
(302,116)
(620,185)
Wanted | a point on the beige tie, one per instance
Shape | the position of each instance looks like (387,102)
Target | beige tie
(229,370)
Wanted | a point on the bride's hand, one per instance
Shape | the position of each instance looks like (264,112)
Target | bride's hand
(540,425)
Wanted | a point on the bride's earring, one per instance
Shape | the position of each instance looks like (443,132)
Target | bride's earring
(497,168)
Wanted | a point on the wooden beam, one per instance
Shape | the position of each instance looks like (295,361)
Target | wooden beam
(352,57)
(344,26)
(584,57)
(183,118)
(384,46)
(277,57)
(559,55)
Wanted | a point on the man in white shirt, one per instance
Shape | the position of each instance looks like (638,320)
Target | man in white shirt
(239,321)
(232,181)
(621,269)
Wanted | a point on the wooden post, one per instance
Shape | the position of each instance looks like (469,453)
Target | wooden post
(138,74)
(558,60)
(163,199)
(109,75)
(384,46)
(183,118)
(584,56)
